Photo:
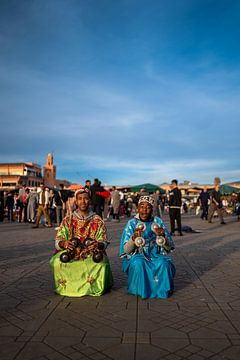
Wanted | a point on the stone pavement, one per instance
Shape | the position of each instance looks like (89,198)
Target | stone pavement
(200,321)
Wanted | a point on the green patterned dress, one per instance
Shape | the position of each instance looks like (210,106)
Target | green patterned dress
(81,277)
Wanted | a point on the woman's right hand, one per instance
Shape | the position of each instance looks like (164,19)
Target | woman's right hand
(137,233)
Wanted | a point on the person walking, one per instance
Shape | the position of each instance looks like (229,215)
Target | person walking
(174,206)
(216,205)
(43,201)
(203,201)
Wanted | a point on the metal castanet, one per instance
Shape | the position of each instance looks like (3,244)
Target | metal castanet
(97,256)
(141,226)
(139,241)
(66,256)
(87,242)
(82,249)
(155,227)
(161,241)
(69,255)
(75,241)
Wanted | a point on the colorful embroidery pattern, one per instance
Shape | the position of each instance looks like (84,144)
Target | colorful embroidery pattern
(72,226)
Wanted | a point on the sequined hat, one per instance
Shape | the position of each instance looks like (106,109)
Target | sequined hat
(146,198)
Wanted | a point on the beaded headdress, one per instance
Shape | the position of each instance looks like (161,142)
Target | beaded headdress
(146,198)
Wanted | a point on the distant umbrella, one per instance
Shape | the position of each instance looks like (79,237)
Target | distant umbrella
(147,187)
(227,189)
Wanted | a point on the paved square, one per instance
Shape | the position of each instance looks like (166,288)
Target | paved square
(200,321)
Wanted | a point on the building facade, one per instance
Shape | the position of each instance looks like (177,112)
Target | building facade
(13,175)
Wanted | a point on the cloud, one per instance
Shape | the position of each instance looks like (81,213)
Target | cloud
(170,126)
(138,171)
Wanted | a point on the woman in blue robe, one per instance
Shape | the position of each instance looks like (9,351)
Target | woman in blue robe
(145,246)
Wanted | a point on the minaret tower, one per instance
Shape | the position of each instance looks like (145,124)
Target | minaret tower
(49,172)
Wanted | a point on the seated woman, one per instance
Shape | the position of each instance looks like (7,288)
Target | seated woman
(81,267)
(144,247)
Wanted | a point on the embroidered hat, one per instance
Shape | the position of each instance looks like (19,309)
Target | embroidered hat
(146,198)
(82,191)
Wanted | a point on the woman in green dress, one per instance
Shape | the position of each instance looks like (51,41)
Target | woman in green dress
(82,275)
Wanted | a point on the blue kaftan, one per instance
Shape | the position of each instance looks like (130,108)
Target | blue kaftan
(150,270)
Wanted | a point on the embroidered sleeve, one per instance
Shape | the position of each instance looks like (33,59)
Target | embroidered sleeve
(64,232)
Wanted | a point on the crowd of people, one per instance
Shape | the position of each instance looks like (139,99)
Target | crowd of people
(210,204)
(80,265)
(51,205)
(29,205)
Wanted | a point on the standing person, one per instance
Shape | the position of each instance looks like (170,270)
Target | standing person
(216,205)
(149,268)
(115,201)
(25,205)
(106,203)
(43,201)
(9,205)
(88,185)
(129,205)
(203,200)
(83,275)
(32,205)
(105,195)
(52,206)
(59,208)
(162,204)
(63,193)
(143,192)
(156,207)
(20,201)
(174,206)
(61,198)
(15,207)
(96,199)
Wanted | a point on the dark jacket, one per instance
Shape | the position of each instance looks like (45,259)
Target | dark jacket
(60,197)
(175,198)
(203,198)
(95,198)
(216,197)
(9,201)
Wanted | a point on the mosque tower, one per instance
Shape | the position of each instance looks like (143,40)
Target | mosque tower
(49,172)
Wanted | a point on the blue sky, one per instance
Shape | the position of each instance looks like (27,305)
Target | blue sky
(127,91)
